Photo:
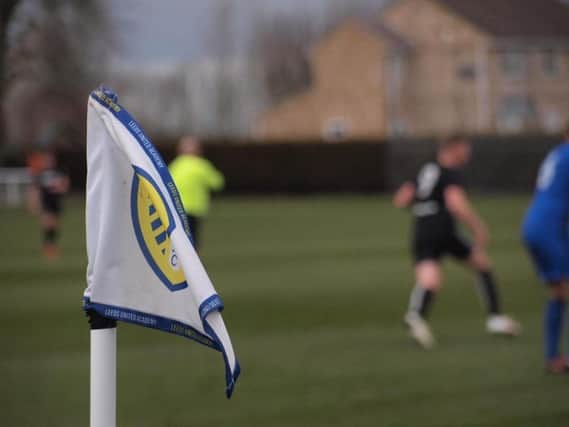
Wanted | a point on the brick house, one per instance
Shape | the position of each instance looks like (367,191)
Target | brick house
(430,67)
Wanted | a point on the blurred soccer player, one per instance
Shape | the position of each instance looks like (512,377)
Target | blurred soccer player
(35,165)
(545,234)
(195,178)
(50,185)
(438,200)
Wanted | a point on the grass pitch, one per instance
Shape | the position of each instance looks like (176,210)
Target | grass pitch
(315,289)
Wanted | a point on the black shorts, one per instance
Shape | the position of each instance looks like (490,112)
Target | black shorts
(429,245)
(195,224)
(50,202)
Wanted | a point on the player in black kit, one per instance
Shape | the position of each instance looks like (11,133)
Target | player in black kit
(438,200)
(49,185)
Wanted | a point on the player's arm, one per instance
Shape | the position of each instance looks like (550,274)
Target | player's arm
(460,207)
(33,199)
(64,184)
(214,178)
(404,196)
(60,185)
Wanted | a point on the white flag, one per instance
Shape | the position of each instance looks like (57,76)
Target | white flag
(142,266)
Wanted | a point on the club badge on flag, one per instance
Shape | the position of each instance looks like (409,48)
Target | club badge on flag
(142,267)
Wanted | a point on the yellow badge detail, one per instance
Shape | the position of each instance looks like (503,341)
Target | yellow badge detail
(153,223)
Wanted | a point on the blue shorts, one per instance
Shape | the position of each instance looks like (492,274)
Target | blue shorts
(550,254)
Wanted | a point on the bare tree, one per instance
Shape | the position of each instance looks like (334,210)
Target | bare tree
(222,45)
(7,8)
(281,44)
(54,58)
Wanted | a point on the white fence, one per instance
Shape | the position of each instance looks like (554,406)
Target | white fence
(13,184)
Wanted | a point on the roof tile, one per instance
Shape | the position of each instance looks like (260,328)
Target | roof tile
(515,18)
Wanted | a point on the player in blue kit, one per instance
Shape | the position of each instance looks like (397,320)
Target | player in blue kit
(546,236)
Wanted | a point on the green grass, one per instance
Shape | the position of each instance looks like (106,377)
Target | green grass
(315,289)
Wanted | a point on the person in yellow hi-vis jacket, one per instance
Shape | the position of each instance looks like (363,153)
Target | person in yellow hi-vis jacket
(195,178)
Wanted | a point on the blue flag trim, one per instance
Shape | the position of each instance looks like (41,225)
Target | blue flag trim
(150,321)
(108,99)
(214,303)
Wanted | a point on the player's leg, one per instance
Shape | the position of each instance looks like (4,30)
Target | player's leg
(427,284)
(562,294)
(481,265)
(479,262)
(51,211)
(553,325)
(427,249)
(50,232)
(550,256)
(194,223)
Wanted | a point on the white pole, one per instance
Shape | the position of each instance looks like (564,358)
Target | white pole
(103,377)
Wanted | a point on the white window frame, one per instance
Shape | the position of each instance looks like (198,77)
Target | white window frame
(514,64)
(555,56)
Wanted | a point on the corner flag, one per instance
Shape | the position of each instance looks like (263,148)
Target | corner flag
(142,267)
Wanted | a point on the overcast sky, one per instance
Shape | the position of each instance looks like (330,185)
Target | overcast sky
(178,30)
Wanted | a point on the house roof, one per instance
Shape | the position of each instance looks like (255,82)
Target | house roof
(379,28)
(515,18)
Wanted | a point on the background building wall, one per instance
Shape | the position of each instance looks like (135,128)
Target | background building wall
(346,99)
(444,90)
(546,97)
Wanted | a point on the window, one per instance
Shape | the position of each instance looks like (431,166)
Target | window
(516,113)
(551,120)
(514,64)
(466,72)
(551,63)
(398,127)
(336,129)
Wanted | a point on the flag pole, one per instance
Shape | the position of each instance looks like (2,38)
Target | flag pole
(103,370)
